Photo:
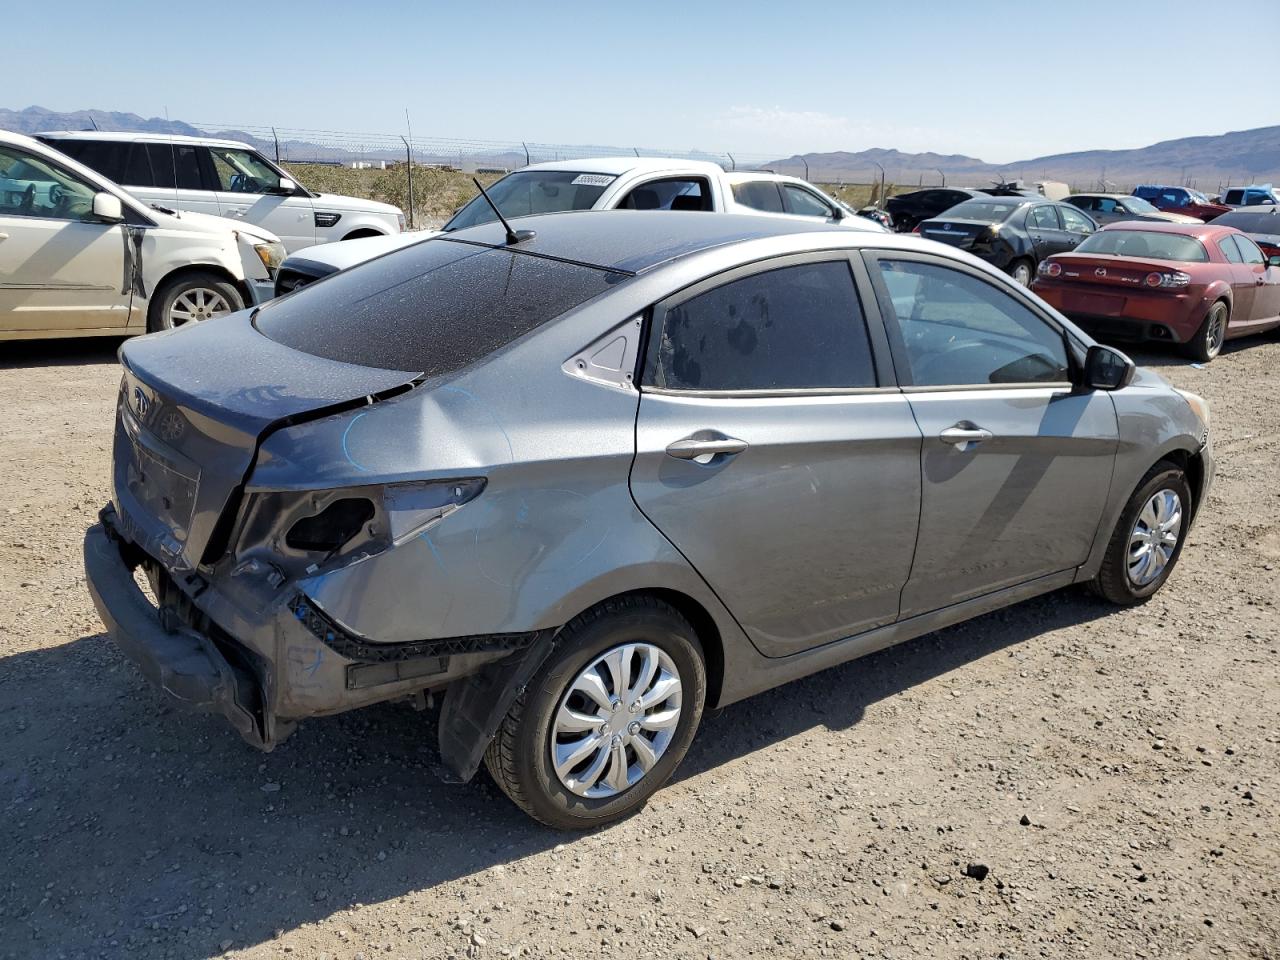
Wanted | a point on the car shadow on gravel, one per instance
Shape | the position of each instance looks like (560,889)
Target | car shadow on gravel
(69,352)
(140,827)
(1156,357)
(838,698)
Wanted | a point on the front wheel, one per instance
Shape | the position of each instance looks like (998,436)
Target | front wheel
(1208,340)
(607,719)
(1148,538)
(191,298)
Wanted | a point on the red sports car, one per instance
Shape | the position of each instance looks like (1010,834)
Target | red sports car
(1196,285)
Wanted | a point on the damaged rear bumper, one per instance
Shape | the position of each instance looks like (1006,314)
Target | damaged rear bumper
(187,666)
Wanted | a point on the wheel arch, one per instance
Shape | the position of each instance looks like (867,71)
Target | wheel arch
(186,269)
(360,233)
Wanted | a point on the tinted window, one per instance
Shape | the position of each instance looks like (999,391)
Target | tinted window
(959,330)
(168,159)
(759,195)
(1233,197)
(525,193)
(1229,250)
(1092,203)
(1248,250)
(103,156)
(987,211)
(435,306)
(1075,222)
(1143,243)
(795,327)
(673,193)
(1044,217)
(804,203)
(137,167)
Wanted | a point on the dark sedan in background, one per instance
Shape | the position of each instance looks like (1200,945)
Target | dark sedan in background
(1116,207)
(1260,223)
(909,209)
(1011,233)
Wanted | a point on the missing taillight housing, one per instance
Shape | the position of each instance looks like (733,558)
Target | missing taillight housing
(333,527)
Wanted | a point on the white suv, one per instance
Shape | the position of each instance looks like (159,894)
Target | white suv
(81,257)
(226,179)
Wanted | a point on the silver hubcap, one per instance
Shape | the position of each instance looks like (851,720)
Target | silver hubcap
(616,720)
(1022,274)
(1215,331)
(1154,537)
(198,303)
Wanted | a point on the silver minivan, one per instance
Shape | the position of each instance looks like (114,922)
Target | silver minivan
(225,178)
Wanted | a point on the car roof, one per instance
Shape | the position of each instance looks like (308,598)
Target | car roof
(1200,230)
(126,136)
(633,241)
(1109,196)
(621,165)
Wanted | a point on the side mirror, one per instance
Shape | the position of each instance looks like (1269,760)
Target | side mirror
(287,186)
(1107,369)
(837,214)
(1273,261)
(107,208)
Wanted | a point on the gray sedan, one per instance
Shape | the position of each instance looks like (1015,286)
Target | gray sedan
(589,480)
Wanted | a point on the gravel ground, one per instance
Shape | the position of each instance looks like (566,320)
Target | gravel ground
(1112,777)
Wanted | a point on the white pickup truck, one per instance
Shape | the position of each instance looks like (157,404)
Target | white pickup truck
(607,183)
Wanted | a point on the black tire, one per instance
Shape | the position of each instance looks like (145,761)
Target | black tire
(1113,581)
(519,757)
(1204,346)
(158,315)
(1025,264)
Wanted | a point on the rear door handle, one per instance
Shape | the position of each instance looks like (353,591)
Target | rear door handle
(963,434)
(691,449)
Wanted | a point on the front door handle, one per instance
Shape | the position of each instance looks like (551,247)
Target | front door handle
(963,434)
(691,448)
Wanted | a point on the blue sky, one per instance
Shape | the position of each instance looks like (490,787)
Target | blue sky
(999,81)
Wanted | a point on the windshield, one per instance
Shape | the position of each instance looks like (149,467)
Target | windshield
(1148,245)
(527,192)
(1197,196)
(1138,205)
(1250,222)
(988,211)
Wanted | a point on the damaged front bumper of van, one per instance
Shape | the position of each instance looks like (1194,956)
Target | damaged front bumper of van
(265,656)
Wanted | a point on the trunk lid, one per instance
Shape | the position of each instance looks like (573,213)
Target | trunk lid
(194,405)
(956,232)
(1110,272)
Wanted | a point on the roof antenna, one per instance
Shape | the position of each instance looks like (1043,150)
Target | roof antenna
(513,236)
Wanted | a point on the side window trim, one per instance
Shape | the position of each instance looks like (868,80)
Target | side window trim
(898,346)
(879,344)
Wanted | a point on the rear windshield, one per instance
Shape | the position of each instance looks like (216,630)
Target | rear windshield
(436,306)
(1250,222)
(988,211)
(527,192)
(1145,244)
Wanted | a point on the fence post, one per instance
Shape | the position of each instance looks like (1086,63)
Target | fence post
(277,140)
(526,152)
(733,164)
(408,157)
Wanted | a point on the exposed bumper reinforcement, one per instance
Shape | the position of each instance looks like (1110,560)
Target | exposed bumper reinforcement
(187,666)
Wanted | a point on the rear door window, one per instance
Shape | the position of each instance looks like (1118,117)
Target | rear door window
(759,195)
(137,167)
(175,165)
(794,327)
(436,306)
(1045,217)
(1229,250)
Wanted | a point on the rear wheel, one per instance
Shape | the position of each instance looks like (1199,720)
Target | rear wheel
(1208,340)
(191,298)
(606,720)
(1148,538)
(1022,271)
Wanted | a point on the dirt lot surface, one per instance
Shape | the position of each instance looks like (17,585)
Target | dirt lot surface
(1115,774)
